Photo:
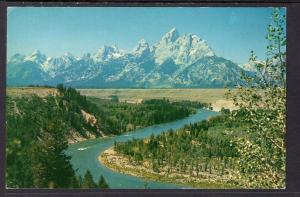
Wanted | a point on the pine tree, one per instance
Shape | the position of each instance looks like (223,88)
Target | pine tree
(88,181)
(102,183)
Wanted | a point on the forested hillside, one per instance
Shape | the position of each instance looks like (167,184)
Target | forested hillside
(37,136)
(40,128)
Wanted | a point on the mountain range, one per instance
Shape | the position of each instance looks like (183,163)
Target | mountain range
(175,61)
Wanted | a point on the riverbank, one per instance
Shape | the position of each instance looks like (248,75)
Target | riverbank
(84,155)
(121,164)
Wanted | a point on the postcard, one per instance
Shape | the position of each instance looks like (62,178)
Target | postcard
(146,97)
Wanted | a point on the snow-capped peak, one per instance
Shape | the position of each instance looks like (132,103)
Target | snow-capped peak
(142,48)
(68,57)
(36,52)
(174,61)
(53,65)
(192,48)
(171,36)
(36,57)
(185,49)
(108,52)
(141,44)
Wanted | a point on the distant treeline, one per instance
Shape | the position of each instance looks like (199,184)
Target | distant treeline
(117,117)
(42,86)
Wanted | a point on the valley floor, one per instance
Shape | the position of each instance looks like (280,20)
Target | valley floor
(216,97)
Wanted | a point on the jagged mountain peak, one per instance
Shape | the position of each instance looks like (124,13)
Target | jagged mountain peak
(68,57)
(143,42)
(142,48)
(171,36)
(36,52)
(109,48)
(174,61)
(185,49)
(192,38)
(108,52)
(36,57)
(57,64)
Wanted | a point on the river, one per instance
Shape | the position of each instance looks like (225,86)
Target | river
(85,154)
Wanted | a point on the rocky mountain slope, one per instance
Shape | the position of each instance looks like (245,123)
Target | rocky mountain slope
(174,61)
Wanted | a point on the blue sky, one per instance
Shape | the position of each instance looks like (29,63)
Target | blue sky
(231,32)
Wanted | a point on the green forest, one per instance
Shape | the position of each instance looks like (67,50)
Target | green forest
(197,149)
(120,117)
(38,129)
(37,133)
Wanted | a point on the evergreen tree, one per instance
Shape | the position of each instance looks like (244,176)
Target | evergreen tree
(88,181)
(102,183)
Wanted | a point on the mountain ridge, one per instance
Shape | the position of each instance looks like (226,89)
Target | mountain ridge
(174,61)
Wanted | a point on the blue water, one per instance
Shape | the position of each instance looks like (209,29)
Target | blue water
(85,154)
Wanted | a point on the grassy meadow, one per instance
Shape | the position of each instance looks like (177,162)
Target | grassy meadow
(27,91)
(133,95)
(216,97)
